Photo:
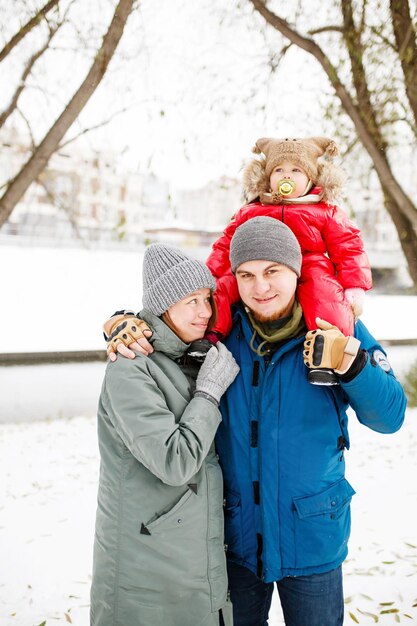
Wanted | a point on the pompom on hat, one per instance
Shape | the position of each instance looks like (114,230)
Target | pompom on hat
(313,154)
(169,275)
(265,239)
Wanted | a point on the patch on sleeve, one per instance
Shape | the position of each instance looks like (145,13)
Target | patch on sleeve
(379,358)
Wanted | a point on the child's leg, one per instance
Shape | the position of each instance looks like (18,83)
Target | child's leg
(321,295)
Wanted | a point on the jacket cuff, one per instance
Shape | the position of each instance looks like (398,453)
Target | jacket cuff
(202,394)
(356,367)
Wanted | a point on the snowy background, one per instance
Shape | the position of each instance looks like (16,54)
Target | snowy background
(49,456)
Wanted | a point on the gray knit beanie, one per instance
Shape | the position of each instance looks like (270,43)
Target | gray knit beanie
(265,239)
(169,275)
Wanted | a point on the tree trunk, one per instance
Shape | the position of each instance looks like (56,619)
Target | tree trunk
(50,143)
(406,233)
(405,38)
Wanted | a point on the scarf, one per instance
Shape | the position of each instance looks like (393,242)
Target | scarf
(273,332)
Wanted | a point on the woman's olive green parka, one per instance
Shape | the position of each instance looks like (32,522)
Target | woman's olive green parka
(158,554)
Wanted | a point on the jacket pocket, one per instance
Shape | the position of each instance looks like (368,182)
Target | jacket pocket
(233,523)
(322,525)
(171,517)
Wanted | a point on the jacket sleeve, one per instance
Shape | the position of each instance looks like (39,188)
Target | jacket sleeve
(346,251)
(172,451)
(375,394)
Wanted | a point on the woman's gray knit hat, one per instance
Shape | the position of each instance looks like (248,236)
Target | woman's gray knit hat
(169,275)
(265,239)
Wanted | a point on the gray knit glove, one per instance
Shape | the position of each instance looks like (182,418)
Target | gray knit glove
(217,372)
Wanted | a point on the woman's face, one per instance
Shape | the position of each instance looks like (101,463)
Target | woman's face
(190,317)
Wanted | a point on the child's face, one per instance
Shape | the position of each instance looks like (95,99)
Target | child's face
(288,170)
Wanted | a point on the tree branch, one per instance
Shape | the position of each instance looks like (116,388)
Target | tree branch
(405,39)
(27,70)
(326,29)
(34,21)
(49,144)
(28,126)
(93,128)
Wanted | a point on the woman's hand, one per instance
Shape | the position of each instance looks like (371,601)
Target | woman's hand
(217,372)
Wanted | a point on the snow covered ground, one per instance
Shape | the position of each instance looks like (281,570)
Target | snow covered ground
(49,475)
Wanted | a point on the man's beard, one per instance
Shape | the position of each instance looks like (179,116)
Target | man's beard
(264,319)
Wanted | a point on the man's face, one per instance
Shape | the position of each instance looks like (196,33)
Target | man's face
(267,288)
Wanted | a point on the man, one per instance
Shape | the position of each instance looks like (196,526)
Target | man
(281,442)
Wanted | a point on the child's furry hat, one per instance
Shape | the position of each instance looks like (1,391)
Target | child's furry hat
(313,154)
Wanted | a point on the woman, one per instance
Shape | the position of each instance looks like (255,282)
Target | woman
(158,553)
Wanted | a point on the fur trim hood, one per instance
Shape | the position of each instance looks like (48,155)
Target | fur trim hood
(330,179)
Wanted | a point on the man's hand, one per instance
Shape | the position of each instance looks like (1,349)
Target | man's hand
(327,347)
(126,333)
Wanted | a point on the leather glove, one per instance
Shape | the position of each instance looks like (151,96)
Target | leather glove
(125,328)
(355,296)
(217,372)
(327,347)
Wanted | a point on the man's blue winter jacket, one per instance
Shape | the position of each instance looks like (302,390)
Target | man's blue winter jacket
(281,446)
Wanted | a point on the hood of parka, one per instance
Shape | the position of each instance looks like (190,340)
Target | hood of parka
(330,180)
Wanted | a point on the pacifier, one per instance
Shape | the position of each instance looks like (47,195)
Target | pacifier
(285,187)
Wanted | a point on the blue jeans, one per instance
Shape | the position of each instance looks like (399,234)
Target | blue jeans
(315,600)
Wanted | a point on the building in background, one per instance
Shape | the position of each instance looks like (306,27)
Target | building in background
(82,198)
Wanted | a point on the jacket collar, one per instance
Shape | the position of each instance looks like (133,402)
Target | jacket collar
(163,339)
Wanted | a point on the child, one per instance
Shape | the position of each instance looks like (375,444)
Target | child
(296,182)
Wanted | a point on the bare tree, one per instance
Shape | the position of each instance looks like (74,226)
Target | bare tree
(372,107)
(50,143)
